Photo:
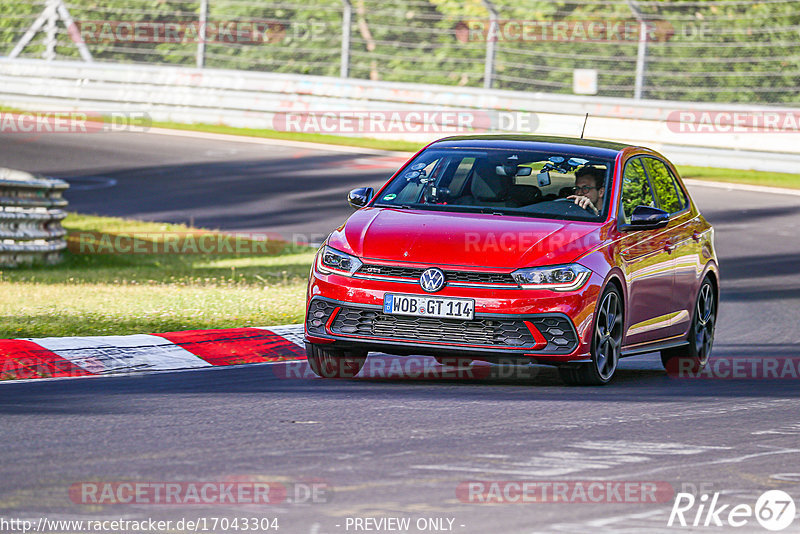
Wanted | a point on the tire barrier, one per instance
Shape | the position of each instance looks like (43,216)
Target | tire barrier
(30,218)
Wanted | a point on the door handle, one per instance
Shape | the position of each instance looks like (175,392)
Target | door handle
(669,247)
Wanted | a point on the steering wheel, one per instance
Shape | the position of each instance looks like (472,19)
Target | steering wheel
(589,207)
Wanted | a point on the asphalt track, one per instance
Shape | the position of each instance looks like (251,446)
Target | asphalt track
(295,192)
(400,447)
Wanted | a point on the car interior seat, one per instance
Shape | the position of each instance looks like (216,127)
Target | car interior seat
(487,188)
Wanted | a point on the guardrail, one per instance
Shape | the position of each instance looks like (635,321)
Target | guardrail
(30,218)
(254,99)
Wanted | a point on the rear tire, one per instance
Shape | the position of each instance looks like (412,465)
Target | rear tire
(606,344)
(692,358)
(334,363)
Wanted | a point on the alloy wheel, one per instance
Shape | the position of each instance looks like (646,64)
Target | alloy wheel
(608,335)
(705,321)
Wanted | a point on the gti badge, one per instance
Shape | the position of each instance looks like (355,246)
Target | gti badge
(432,280)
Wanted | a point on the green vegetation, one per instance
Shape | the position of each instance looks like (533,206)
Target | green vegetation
(105,294)
(699,51)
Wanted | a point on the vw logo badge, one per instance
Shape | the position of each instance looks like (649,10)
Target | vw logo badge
(432,280)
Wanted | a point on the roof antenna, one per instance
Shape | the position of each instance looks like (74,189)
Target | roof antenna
(586,118)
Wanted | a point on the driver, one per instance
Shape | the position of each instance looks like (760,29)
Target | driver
(589,189)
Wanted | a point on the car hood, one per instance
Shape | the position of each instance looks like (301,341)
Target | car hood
(463,239)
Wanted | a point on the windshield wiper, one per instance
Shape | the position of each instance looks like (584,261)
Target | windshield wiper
(493,211)
(395,206)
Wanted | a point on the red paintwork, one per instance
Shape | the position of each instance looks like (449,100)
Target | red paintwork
(537,336)
(463,239)
(417,238)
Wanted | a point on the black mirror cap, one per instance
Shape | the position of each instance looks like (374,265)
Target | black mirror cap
(358,198)
(647,217)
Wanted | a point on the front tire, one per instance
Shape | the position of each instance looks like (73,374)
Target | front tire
(334,363)
(693,357)
(606,344)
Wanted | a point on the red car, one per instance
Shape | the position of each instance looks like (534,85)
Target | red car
(520,249)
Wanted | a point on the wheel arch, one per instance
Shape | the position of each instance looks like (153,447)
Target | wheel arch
(616,278)
(711,272)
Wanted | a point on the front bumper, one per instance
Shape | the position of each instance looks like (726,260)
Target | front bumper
(529,325)
(361,324)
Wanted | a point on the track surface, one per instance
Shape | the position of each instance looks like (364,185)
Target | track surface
(295,192)
(400,448)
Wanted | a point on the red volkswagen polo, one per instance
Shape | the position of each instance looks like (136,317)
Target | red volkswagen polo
(520,249)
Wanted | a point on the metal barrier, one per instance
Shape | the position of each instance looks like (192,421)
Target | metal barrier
(694,51)
(30,218)
(253,99)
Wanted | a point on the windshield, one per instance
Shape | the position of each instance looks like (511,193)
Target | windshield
(512,182)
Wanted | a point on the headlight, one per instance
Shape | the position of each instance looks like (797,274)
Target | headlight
(330,260)
(557,277)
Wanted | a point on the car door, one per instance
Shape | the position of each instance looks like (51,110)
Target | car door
(646,260)
(683,242)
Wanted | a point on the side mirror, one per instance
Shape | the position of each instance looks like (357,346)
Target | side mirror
(358,198)
(647,218)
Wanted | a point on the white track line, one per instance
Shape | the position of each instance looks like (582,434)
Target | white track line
(279,142)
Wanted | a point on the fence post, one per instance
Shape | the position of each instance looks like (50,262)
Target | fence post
(50,31)
(73,31)
(347,20)
(201,46)
(641,52)
(491,39)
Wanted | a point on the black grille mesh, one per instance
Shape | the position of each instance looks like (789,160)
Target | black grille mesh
(508,333)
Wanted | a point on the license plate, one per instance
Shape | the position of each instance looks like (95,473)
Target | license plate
(421,306)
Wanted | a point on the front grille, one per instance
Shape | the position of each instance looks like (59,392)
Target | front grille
(355,321)
(390,270)
(558,331)
(318,314)
(490,332)
(413,273)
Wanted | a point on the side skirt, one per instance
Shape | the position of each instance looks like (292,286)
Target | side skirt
(677,341)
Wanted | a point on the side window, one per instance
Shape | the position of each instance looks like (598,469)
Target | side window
(668,194)
(635,189)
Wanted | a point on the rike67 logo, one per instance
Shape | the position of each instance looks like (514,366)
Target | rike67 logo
(774,510)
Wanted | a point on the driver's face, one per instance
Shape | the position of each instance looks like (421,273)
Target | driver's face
(586,187)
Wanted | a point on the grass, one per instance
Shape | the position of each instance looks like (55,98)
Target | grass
(105,294)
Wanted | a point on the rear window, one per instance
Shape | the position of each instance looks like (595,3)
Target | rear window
(668,193)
